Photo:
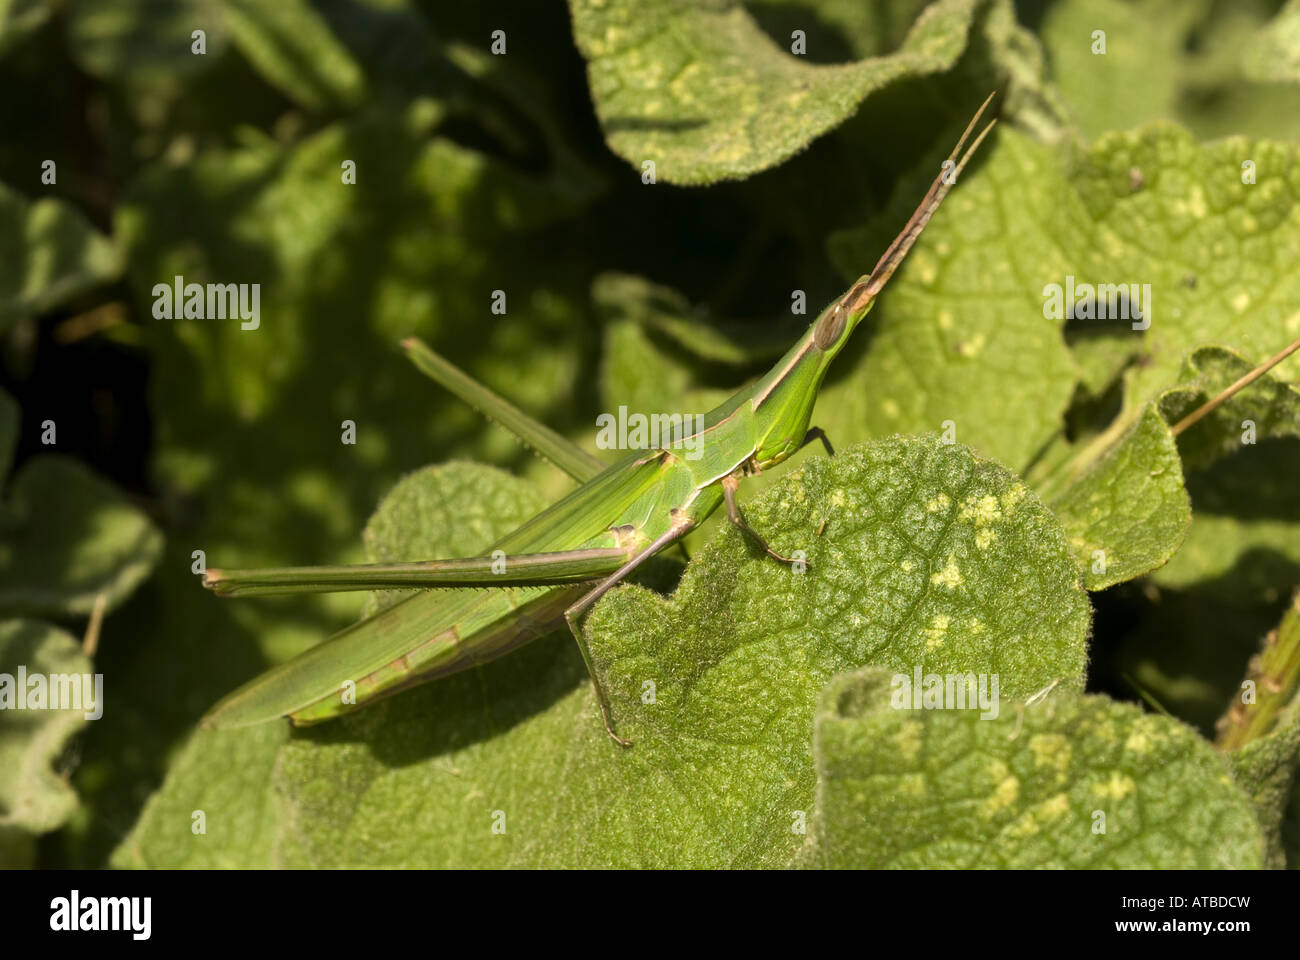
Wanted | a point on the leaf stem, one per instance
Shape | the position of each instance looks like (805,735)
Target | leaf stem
(1275,673)
(90,642)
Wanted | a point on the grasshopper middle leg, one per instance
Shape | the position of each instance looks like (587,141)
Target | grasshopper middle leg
(730,483)
(817,433)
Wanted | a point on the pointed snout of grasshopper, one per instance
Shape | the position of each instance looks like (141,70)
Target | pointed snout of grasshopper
(214,580)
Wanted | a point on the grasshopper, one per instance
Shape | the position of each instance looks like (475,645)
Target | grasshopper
(559,563)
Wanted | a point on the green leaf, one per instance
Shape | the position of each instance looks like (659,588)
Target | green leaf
(19,18)
(928,556)
(48,254)
(1129,512)
(702,91)
(1244,541)
(169,653)
(1247,519)
(34,796)
(948,788)
(666,314)
(1214,250)
(146,41)
(1266,769)
(919,370)
(292,45)
(1130,82)
(1242,545)
(1211,66)
(1129,502)
(69,537)
(1274,55)
(226,776)
(1271,405)
(960,333)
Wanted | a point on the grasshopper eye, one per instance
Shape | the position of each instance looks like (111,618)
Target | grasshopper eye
(829,328)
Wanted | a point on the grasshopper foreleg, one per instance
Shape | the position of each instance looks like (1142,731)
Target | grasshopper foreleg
(817,433)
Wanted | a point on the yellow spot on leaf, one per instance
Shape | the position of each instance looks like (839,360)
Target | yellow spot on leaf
(949,576)
(1117,787)
(1004,795)
(934,633)
(972,347)
(1051,750)
(1057,806)
(1144,735)
(912,785)
(1013,496)
(924,266)
(908,740)
(982,511)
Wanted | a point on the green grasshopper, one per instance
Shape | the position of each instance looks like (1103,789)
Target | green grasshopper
(559,563)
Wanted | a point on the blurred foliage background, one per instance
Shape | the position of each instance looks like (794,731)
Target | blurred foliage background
(477,172)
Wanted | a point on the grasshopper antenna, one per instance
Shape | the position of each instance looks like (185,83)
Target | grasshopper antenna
(866,289)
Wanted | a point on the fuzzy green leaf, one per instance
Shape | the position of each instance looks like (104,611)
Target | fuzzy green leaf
(226,776)
(35,796)
(456,224)
(1215,250)
(19,18)
(1241,458)
(702,91)
(292,45)
(1271,406)
(1130,505)
(68,537)
(948,788)
(48,254)
(149,41)
(1266,769)
(1214,67)
(1274,55)
(960,333)
(1129,512)
(1121,79)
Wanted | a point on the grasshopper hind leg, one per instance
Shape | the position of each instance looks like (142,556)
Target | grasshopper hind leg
(680,527)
